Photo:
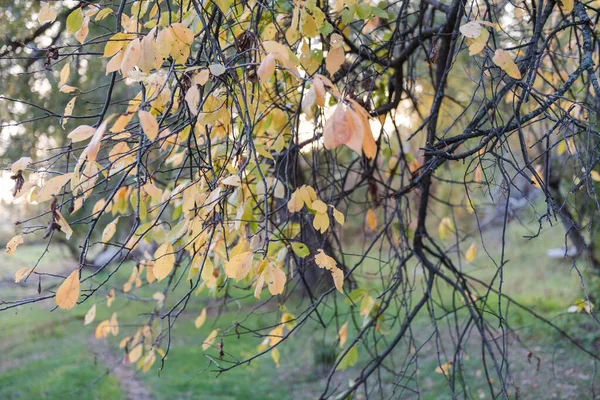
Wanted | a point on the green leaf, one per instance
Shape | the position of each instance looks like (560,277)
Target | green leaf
(326,29)
(348,15)
(300,249)
(378,12)
(364,10)
(349,359)
(74,21)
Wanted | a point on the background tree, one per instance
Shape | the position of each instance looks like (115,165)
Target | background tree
(298,152)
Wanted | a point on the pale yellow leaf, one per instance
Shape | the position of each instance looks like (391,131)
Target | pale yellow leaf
(503,59)
(68,292)
(471,253)
(53,187)
(267,68)
(90,315)
(20,164)
(11,246)
(165,261)
(68,111)
(109,231)
(200,319)
(47,13)
(371,220)
(343,334)
(22,273)
(81,133)
(149,124)
(208,342)
(239,265)
(64,74)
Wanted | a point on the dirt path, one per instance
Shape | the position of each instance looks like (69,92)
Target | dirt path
(131,385)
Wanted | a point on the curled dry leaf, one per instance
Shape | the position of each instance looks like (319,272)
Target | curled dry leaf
(22,273)
(11,246)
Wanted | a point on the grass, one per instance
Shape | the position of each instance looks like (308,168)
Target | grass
(46,354)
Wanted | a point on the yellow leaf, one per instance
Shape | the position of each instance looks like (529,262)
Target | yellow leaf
(117,42)
(149,124)
(445,228)
(321,222)
(64,74)
(90,315)
(201,318)
(20,165)
(503,59)
(208,342)
(183,33)
(165,261)
(53,187)
(444,368)
(338,279)
(81,133)
(371,220)
(595,176)
(477,45)
(471,253)
(109,231)
(148,361)
(131,56)
(67,89)
(324,261)
(82,33)
(11,246)
(343,334)
(267,68)
(136,353)
(22,273)
(202,77)
(103,329)
(47,14)
(239,265)
(110,297)
(233,180)
(319,206)
(276,281)
(275,355)
(68,292)
(339,217)
(105,12)
(114,325)
(192,99)
(64,225)
(567,5)
(334,60)
(68,111)
(295,203)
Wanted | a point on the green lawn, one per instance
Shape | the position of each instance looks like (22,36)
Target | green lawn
(47,354)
